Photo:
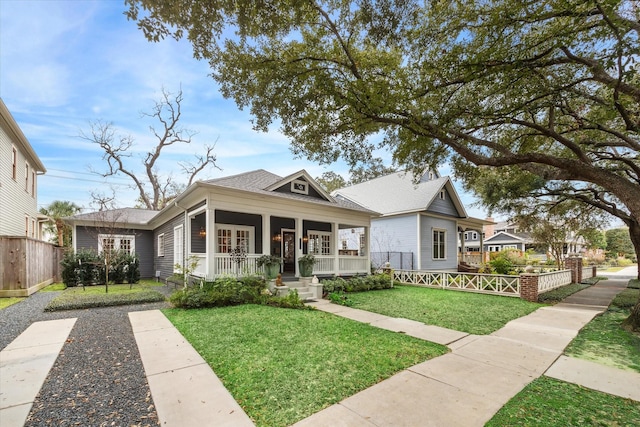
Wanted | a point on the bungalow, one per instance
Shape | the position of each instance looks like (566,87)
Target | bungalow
(423,217)
(254,213)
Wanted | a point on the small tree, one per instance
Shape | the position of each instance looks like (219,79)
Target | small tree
(56,211)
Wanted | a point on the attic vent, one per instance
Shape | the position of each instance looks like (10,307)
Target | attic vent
(299,186)
(443,194)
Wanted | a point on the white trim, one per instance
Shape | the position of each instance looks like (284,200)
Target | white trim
(320,235)
(299,186)
(442,241)
(117,241)
(178,246)
(161,243)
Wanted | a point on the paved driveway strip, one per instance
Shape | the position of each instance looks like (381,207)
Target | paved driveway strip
(185,390)
(24,366)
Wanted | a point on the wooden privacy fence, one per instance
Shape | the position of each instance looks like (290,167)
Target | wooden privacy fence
(27,265)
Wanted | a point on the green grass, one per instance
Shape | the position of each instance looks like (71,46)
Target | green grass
(284,365)
(549,402)
(6,302)
(462,311)
(96,296)
(556,295)
(603,340)
(54,287)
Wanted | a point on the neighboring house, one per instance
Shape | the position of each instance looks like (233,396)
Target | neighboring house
(27,263)
(507,236)
(19,171)
(423,217)
(256,212)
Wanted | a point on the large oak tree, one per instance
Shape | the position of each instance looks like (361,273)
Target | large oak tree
(548,87)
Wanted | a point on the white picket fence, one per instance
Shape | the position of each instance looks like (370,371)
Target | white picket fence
(473,282)
(476,282)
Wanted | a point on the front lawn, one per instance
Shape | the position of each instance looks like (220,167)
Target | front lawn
(549,402)
(473,313)
(284,365)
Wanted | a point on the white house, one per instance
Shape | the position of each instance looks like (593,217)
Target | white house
(20,167)
(423,217)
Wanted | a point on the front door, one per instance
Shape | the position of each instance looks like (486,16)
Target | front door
(289,252)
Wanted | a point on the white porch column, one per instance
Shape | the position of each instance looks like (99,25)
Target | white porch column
(336,247)
(210,243)
(266,234)
(462,244)
(481,247)
(418,243)
(299,236)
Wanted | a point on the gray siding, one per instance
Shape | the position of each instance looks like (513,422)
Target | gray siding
(398,234)
(87,239)
(164,264)
(443,207)
(428,224)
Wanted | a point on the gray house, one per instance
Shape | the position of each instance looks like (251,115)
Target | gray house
(422,217)
(257,212)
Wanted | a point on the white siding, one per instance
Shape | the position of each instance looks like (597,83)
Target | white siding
(15,202)
(397,234)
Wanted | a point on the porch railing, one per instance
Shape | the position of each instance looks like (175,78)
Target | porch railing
(325,265)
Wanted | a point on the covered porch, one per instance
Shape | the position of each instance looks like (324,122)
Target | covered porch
(229,242)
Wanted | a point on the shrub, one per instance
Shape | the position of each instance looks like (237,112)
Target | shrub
(291,300)
(626,299)
(501,264)
(222,292)
(80,301)
(340,298)
(86,267)
(357,284)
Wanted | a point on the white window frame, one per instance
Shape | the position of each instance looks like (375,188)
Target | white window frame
(319,242)
(494,248)
(117,241)
(441,244)
(26,176)
(235,232)
(161,244)
(14,163)
(509,246)
(178,247)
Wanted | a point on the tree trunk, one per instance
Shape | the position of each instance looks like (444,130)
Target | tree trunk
(633,321)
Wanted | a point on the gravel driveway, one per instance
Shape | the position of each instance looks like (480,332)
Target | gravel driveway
(98,378)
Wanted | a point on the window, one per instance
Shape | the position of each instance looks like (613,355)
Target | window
(33,183)
(33,228)
(344,244)
(26,225)
(439,247)
(14,163)
(363,241)
(116,243)
(319,243)
(161,244)
(178,246)
(494,248)
(230,237)
(26,177)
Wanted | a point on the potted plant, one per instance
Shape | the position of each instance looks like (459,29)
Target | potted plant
(305,264)
(271,264)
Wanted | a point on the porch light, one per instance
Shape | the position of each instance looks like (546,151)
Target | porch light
(202,233)
(277,237)
(305,239)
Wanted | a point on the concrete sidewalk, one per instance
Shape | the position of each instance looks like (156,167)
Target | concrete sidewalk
(482,373)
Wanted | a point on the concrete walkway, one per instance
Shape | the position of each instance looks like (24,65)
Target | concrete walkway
(465,387)
(25,364)
(482,373)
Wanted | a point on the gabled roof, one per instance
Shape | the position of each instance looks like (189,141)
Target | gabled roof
(503,237)
(398,193)
(263,182)
(10,126)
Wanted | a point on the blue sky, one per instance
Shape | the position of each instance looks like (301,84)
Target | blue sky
(64,64)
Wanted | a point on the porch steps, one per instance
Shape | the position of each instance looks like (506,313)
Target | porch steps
(303,289)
